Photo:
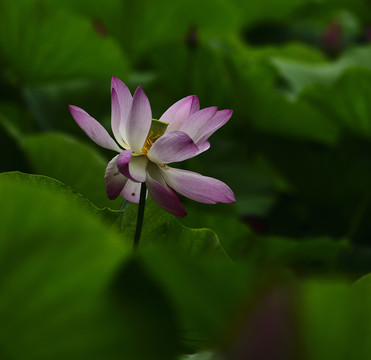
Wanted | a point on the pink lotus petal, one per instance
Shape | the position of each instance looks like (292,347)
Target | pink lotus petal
(131,191)
(218,120)
(116,119)
(198,187)
(139,121)
(93,129)
(124,99)
(137,168)
(165,197)
(195,105)
(172,147)
(178,113)
(123,162)
(115,181)
(133,167)
(203,147)
(197,121)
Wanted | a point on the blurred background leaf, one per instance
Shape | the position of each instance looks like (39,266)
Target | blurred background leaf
(68,287)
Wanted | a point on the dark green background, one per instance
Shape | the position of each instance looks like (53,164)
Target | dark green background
(269,277)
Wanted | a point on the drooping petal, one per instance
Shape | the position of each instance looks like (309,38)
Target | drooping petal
(172,147)
(131,191)
(178,113)
(116,119)
(123,162)
(162,195)
(196,122)
(114,180)
(198,187)
(124,99)
(93,129)
(139,121)
(218,120)
(165,198)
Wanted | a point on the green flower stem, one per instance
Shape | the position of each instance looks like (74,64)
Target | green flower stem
(142,203)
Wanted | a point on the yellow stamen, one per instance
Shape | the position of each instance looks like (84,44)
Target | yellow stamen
(157,129)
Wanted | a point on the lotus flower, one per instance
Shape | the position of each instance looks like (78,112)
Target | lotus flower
(146,147)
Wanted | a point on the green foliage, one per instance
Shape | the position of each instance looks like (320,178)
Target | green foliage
(160,228)
(268,277)
(42,44)
(347,102)
(68,286)
(51,154)
(334,332)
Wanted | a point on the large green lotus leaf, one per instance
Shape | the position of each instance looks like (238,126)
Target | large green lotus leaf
(206,292)
(315,319)
(241,243)
(160,228)
(163,229)
(300,74)
(75,164)
(67,287)
(200,279)
(363,283)
(203,283)
(335,320)
(40,44)
(270,110)
(110,217)
(182,260)
(235,236)
(346,102)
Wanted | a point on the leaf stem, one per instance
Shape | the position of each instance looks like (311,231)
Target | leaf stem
(142,203)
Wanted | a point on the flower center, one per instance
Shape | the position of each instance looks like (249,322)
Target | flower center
(157,129)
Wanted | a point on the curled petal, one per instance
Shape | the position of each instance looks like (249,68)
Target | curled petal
(139,121)
(198,187)
(178,113)
(172,147)
(218,120)
(123,162)
(131,191)
(93,129)
(124,100)
(114,180)
(197,121)
(165,197)
(133,167)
